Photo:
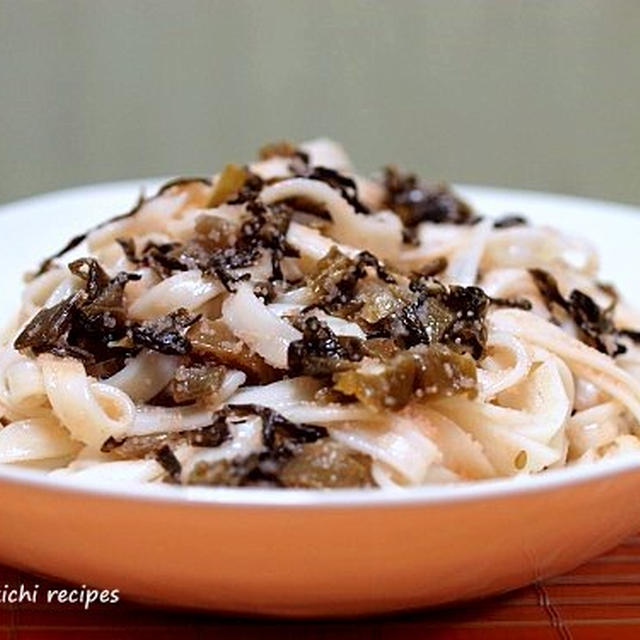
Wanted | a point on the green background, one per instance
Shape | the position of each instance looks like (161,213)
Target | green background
(538,94)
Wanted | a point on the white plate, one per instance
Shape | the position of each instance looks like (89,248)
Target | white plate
(308,553)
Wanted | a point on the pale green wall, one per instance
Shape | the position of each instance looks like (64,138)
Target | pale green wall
(540,94)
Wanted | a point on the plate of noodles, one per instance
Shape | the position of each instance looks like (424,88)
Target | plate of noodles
(288,389)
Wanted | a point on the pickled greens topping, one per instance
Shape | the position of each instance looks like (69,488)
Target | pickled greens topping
(595,325)
(419,372)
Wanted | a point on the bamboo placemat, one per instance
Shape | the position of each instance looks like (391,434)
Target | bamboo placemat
(600,600)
